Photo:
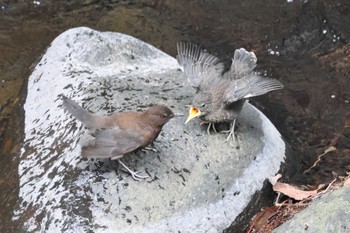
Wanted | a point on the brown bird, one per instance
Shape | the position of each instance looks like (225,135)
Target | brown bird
(220,96)
(122,132)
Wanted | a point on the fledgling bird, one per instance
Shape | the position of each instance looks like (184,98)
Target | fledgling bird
(220,96)
(122,132)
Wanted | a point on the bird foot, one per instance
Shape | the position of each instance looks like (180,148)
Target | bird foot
(134,175)
(230,135)
(231,132)
(149,149)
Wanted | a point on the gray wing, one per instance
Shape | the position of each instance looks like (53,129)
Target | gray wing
(113,143)
(197,64)
(243,64)
(252,85)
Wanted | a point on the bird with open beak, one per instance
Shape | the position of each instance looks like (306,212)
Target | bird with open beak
(220,96)
(122,132)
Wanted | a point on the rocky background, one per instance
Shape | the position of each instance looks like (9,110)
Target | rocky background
(305,44)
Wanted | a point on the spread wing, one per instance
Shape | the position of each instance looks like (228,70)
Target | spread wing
(113,143)
(197,64)
(243,64)
(252,85)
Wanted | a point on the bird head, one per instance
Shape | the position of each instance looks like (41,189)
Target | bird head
(200,111)
(201,106)
(194,112)
(159,115)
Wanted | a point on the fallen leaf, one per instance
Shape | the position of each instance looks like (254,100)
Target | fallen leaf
(292,191)
(347,181)
(261,219)
(289,190)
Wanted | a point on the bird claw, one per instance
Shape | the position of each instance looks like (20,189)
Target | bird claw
(231,131)
(137,177)
(149,149)
(230,135)
(134,175)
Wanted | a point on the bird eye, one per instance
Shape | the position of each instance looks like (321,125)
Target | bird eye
(165,115)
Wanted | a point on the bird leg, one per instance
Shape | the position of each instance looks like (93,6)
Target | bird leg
(213,126)
(210,125)
(134,175)
(231,131)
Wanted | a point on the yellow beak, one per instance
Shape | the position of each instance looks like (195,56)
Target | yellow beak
(194,112)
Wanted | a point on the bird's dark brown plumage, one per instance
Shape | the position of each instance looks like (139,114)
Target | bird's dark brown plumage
(122,132)
(220,96)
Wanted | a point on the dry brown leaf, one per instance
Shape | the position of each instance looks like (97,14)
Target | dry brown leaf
(261,219)
(347,181)
(289,190)
(272,217)
(293,192)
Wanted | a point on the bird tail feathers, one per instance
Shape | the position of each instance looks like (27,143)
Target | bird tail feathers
(243,62)
(78,112)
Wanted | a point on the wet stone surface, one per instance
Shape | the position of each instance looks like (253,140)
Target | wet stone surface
(197,182)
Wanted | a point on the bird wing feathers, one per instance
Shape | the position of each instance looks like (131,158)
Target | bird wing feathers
(243,64)
(205,71)
(252,85)
(113,143)
(197,64)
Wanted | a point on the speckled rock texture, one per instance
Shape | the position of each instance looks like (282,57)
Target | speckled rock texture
(197,182)
(329,214)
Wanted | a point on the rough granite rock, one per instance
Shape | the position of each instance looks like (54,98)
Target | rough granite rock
(329,214)
(197,182)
